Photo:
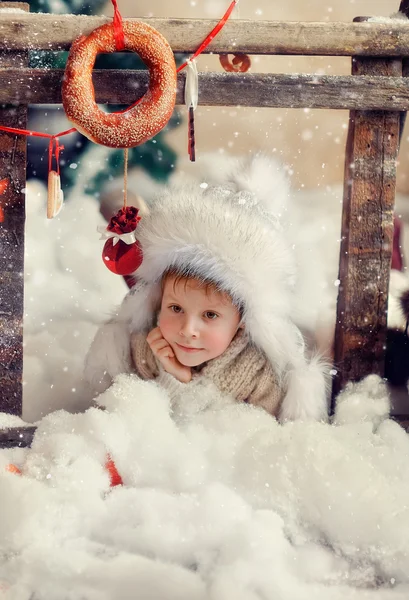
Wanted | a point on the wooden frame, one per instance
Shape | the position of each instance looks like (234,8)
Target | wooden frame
(376,93)
(360,38)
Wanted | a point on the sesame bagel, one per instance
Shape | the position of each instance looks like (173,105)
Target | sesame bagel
(142,121)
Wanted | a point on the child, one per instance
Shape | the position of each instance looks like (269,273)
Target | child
(223,246)
(200,335)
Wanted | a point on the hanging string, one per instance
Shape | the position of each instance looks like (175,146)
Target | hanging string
(118,28)
(125,177)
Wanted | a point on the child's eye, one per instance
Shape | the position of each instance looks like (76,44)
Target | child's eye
(211,315)
(175,308)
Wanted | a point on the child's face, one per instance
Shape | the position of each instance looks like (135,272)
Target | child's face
(198,324)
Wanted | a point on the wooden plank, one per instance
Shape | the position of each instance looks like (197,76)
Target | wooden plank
(56,32)
(403,421)
(17,437)
(404,7)
(367,234)
(36,86)
(12,167)
(22,437)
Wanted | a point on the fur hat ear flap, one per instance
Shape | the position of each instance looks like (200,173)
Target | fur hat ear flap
(143,303)
(109,354)
(305,381)
(306,396)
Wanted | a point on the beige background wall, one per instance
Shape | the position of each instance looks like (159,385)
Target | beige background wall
(311,142)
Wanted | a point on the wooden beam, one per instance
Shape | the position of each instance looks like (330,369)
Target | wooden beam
(367,235)
(12,168)
(404,7)
(17,437)
(37,86)
(56,32)
(22,437)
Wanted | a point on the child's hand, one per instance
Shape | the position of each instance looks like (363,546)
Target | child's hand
(166,356)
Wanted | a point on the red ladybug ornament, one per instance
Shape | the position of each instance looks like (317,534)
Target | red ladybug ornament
(122,252)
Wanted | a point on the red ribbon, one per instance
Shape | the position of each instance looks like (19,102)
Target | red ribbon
(211,35)
(118,18)
(51,151)
(118,29)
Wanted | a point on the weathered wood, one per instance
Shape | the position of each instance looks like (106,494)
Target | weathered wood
(403,114)
(56,32)
(17,437)
(36,86)
(404,7)
(403,421)
(367,235)
(22,437)
(12,167)
(372,142)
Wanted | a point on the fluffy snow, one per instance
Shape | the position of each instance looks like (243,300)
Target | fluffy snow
(12,10)
(397,17)
(218,502)
(68,293)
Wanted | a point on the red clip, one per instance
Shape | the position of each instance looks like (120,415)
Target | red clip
(114,476)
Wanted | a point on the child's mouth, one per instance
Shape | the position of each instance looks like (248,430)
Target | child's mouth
(188,348)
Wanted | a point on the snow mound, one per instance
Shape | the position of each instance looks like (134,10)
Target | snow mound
(219,501)
(68,293)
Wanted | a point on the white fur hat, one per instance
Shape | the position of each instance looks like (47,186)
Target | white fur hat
(232,234)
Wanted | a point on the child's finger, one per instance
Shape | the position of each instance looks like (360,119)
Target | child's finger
(155,341)
(158,345)
(166,353)
(153,335)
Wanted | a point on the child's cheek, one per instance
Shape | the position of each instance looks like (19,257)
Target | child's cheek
(218,341)
(166,326)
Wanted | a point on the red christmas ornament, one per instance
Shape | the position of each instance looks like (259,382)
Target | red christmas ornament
(122,253)
(122,259)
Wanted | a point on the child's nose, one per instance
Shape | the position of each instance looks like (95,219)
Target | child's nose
(189,328)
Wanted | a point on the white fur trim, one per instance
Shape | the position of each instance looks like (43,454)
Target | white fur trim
(108,356)
(306,396)
(398,285)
